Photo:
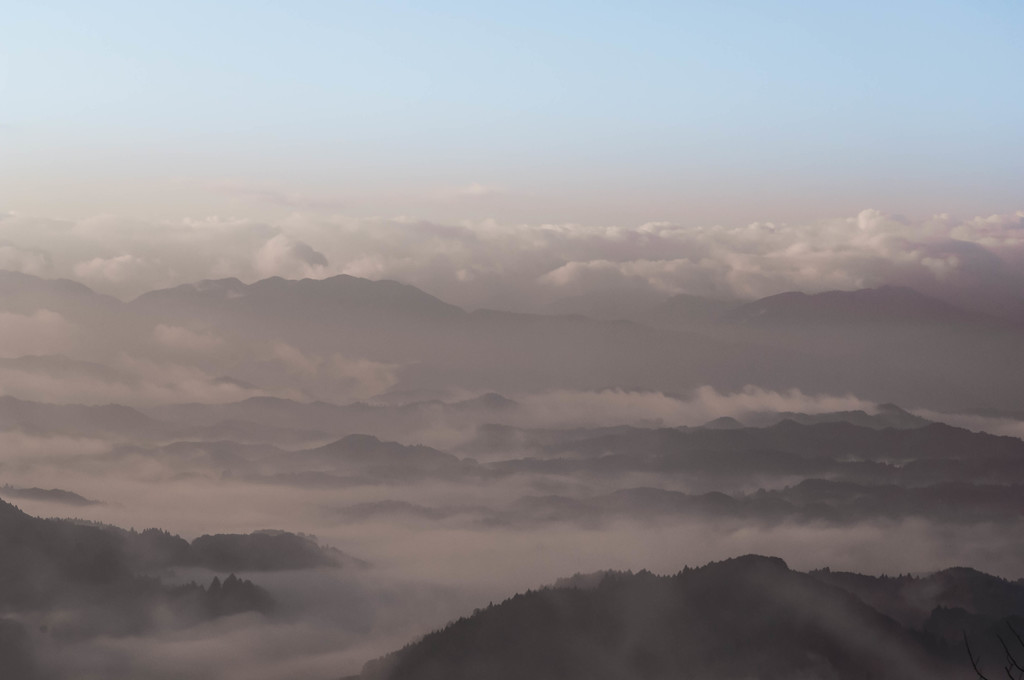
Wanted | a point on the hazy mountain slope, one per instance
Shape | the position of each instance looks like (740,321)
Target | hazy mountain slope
(874,331)
(388,321)
(870,306)
(912,599)
(50,565)
(739,460)
(376,460)
(369,318)
(821,501)
(887,344)
(112,420)
(824,440)
(60,496)
(747,617)
(436,345)
(338,294)
(24,294)
(888,416)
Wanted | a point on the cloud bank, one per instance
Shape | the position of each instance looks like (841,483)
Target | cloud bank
(520,266)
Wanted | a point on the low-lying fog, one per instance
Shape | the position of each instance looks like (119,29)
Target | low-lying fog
(198,413)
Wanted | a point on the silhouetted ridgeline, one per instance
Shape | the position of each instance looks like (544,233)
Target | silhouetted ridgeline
(746,617)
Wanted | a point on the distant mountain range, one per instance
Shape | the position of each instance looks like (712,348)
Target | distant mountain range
(886,344)
(275,297)
(343,294)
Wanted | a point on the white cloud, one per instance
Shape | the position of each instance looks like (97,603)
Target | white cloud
(118,269)
(571,408)
(27,261)
(489,263)
(289,258)
(361,378)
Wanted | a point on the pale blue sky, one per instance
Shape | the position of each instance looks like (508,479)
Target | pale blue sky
(528,110)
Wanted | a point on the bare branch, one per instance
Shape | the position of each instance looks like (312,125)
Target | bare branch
(1015,633)
(974,661)
(1009,656)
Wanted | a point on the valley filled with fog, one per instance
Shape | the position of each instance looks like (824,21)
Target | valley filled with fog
(358,463)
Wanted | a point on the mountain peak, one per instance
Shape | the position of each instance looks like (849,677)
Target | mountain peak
(315,298)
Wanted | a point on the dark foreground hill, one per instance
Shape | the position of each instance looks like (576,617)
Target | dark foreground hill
(46,564)
(748,617)
(63,581)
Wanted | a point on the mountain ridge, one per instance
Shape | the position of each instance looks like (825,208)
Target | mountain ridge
(882,305)
(746,616)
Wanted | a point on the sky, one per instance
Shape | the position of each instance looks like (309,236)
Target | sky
(597,113)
